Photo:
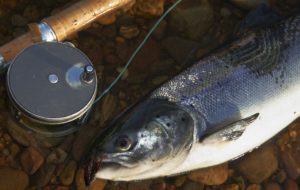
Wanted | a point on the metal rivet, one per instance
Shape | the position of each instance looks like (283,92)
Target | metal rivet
(88,74)
(53,78)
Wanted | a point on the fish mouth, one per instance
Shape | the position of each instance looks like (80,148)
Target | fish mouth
(96,163)
(90,170)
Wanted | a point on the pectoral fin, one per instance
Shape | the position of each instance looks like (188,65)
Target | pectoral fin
(231,132)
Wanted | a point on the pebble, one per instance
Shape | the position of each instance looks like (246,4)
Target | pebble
(67,175)
(272,186)
(57,156)
(179,48)
(280,176)
(12,179)
(14,149)
(140,185)
(254,187)
(160,185)
(210,176)
(129,32)
(291,185)
(98,184)
(147,8)
(43,175)
(192,186)
(290,164)
(31,160)
(107,19)
(179,181)
(232,187)
(194,21)
(259,164)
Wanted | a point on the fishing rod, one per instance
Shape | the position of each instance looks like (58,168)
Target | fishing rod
(63,24)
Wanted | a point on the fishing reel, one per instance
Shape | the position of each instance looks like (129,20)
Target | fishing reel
(52,87)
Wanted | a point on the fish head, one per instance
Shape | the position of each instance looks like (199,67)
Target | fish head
(143,143)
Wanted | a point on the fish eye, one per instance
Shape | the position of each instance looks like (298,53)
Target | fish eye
(123,143)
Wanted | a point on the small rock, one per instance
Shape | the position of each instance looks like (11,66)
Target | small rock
(161,185)
(254,187)
(272,186)
(280,176)
(259,164)
(13,179)
(107,19)
(147,8)
(62,188)
(67,175)
(245,4)
(194,21)
(141,185)
(179,181)
(31,160)
(210,176)
(192,186)
(14,149)
(43,175)
(232,187)
(291,185)
(57,156)
(129,32)
(290,164)
(18,20)
(179,48)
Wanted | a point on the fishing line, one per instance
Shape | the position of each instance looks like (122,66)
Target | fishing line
(136,51)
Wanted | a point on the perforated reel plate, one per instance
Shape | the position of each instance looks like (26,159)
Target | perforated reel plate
(47,83)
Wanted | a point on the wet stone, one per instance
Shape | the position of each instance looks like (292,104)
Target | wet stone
(232,187)
(148,8)
(129,32)
(31,160)
(254,187)
(57,156)
(210,176)
(290,164)
(192,186)
(193,21)
(43,175)
(259,164)
(67,175)
(272,186)
(141,185)
(291,185)
(13,179)
(179,48)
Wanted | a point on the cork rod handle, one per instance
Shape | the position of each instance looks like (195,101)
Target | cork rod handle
(64,23)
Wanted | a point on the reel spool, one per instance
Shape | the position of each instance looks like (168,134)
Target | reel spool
(52,87)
